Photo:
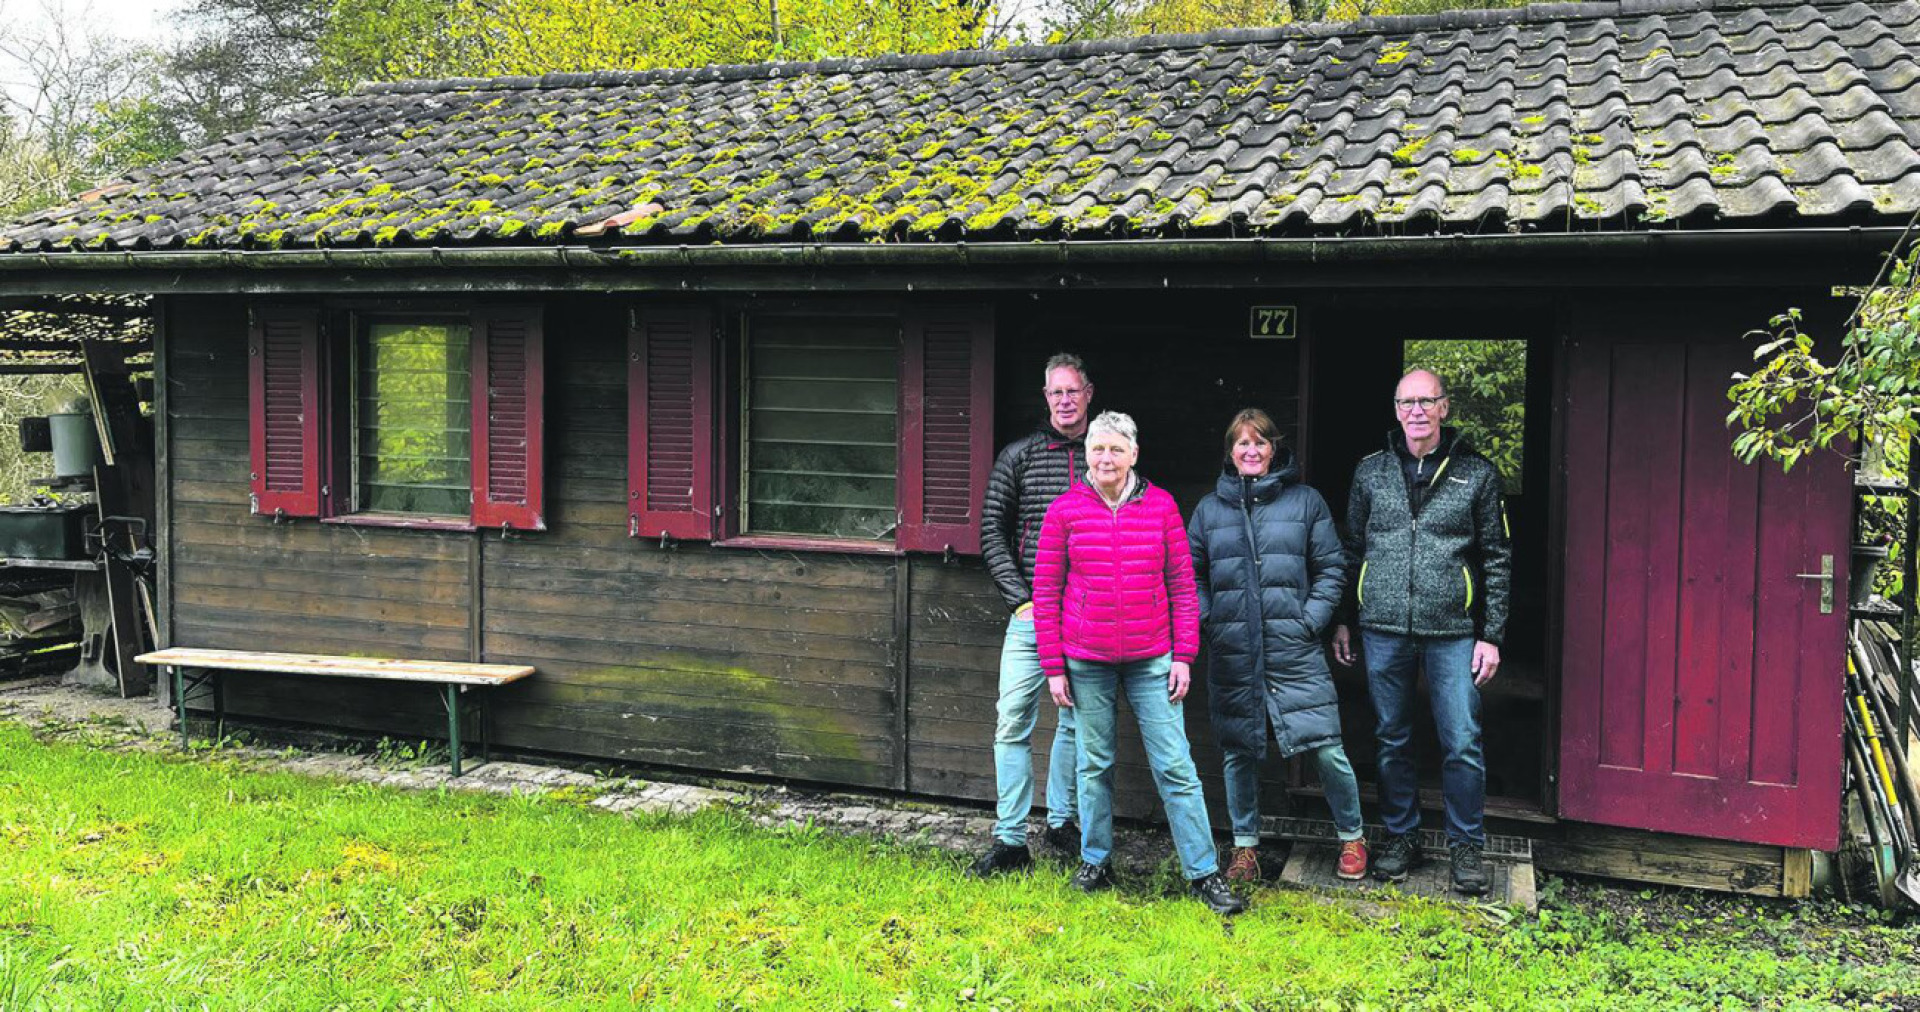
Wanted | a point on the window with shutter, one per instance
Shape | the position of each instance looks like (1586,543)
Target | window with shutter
(508,382)
(670,422)
(946,446)
(285,372)
(437,416)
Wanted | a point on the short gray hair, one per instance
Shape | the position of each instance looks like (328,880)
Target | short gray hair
(1117,424)
(1065,360)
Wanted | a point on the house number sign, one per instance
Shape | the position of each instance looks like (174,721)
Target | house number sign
(1278,322)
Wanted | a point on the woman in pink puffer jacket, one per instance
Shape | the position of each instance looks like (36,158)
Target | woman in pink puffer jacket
(1115,609)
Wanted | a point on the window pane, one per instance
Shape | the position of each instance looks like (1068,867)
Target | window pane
(821,428)
(1486,393)
(412,439)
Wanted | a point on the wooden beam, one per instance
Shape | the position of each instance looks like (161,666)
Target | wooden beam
(67,307)
(39,368)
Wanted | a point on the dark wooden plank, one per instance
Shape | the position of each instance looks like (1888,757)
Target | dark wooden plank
(236,529)
(641,633)
(689,721)
(797,625)
(393,612)
(777,597)
(373,583)
(544,649)
(1664,867)
(615,686)
(204,556)
(225,630)
(690,562)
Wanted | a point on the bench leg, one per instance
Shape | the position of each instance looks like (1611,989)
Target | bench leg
(486,725)
(180,702)
(453,726)
(219,706)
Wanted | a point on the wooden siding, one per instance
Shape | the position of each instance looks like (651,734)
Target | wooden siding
(730,660)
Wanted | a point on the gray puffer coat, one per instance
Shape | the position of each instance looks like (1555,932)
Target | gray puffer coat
(1269,566)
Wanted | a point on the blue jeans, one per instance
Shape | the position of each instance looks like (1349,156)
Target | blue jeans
(1022,683)
(1393,670)
(1336,778)
(1163,730)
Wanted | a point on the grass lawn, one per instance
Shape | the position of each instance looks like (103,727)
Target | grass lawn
(130,881)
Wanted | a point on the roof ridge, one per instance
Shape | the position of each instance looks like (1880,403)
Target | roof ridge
(1389,25)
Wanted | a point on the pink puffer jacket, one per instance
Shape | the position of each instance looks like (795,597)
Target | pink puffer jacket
(1114,585)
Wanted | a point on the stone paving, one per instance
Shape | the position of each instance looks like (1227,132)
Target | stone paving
(69,713)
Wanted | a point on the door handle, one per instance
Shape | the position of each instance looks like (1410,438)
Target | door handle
(1825,576)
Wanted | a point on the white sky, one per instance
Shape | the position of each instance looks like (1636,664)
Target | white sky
(135,20)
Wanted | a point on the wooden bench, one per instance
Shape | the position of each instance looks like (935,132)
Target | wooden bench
(455,679)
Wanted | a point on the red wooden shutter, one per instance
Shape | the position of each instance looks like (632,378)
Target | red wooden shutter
(509,372)
(670,422)
(286,417)
(946,428)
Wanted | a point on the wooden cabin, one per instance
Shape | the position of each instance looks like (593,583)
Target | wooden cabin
(682,385)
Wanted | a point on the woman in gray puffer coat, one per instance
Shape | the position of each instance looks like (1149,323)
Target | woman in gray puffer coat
(1269,567)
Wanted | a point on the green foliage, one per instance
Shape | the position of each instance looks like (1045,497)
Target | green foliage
(1487,390)
(1796,402)
(137,882)
(396,39)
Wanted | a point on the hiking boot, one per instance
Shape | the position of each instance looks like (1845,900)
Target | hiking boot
(1469,869)
(1245,866)
(1003,858)
(1064,838)
(1092,878)
(1399,855)
(1212,890)
(1353,860)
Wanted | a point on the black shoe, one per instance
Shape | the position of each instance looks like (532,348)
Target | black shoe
(1091,878)
(1469,869)
(1064,838)
(1212,890)
(1004,857)
(1399,855)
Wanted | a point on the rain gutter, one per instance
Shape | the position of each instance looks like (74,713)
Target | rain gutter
(1529,248)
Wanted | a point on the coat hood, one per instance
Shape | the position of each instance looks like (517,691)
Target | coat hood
(1284,471)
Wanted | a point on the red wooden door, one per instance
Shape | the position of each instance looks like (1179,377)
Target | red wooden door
(1700,682)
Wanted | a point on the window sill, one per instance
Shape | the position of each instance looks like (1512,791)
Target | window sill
(795,543)
(418,523)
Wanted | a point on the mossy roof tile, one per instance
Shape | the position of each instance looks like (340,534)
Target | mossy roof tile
(1550,117)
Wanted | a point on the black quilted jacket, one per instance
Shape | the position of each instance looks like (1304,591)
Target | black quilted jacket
(1027,477)
(1270,568)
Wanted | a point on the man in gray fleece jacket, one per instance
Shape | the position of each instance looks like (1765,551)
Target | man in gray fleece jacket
(1427,539)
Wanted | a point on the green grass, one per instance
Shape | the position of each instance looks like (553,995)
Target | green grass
(131,881)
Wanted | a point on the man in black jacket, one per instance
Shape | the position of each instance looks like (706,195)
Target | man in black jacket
(1027,477)
(1427,537)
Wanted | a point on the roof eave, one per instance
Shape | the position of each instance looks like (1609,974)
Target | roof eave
(509,267)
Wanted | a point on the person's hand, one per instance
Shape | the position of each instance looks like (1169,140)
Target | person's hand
(1486,661)
(1062,692)
(1179,679)
(1024,611)
(1343,644)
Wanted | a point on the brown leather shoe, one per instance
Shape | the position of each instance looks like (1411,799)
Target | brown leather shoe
(1245,866)
(1353,860)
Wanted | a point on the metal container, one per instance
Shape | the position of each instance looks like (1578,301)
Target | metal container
(76,445)
(43,532)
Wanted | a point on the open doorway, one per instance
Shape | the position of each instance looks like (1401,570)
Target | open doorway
(1498,373)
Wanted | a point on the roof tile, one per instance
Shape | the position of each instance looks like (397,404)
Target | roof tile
(1548,117)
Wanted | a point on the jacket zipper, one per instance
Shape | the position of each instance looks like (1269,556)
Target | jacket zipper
(1253,550)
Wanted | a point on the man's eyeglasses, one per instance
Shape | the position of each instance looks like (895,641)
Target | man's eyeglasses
(1065,393)
(1406,405)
